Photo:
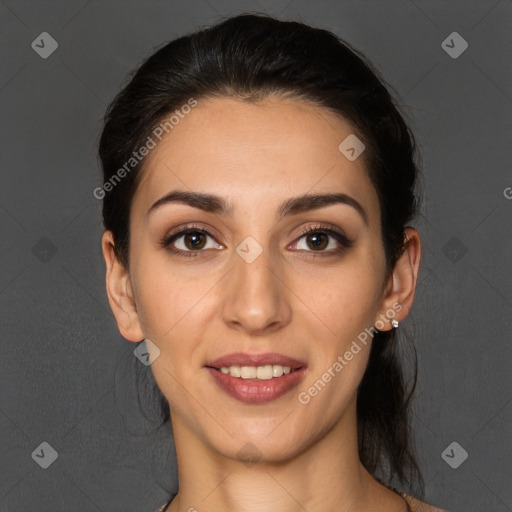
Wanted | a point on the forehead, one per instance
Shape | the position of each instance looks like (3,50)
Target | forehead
(255,151)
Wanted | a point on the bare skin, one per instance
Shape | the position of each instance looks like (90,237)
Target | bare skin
(195,309)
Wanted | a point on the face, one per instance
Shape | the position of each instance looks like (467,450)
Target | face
(248,279)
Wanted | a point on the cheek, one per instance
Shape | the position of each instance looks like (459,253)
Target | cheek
(345,299)
(170,301)
(170,307)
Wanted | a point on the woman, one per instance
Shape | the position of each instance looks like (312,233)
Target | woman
(258,185)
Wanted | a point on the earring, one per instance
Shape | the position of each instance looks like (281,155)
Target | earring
(394,323)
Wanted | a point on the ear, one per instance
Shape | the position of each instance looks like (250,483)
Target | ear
(119,292)
(401,284)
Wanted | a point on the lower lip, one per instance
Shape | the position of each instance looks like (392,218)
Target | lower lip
(256,391)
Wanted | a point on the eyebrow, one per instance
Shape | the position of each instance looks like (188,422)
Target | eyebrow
(215,204)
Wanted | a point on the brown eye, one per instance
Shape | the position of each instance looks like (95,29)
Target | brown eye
(323,240)
(317,241)
(194,240)
(190,241)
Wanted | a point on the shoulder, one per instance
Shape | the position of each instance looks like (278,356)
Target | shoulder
(419,506)
(414,504)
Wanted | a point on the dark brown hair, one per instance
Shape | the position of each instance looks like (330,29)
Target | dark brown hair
(251,57)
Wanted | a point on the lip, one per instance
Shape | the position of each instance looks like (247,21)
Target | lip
(245,359)
(255,391)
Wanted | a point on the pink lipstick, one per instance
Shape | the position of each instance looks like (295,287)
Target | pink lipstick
(278,374)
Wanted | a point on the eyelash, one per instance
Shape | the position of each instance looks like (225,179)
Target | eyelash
(340,237)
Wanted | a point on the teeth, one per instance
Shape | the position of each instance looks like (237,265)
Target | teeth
(234,371)
(266,372)
(277,370)
(248,372)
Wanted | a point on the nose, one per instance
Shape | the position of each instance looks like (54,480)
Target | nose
(256,297)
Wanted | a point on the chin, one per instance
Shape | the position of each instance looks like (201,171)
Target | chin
(253,444)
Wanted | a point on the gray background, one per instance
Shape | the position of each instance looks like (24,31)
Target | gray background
(66,373)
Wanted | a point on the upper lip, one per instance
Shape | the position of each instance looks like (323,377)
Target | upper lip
(245,359)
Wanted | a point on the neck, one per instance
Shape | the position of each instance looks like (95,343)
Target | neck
(327,476)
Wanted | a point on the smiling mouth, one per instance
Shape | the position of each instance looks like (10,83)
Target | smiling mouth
(257,384)
(265,372)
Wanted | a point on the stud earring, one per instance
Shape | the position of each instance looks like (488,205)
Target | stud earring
(394,323)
